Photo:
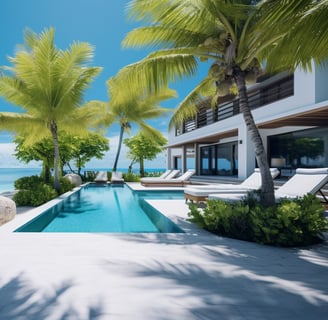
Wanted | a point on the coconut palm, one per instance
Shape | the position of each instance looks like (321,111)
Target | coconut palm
(125,108)
(48,84)
(305,25)
(186,33)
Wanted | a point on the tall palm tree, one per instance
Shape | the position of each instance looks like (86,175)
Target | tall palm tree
(125,108)
(188,32)
(48,84)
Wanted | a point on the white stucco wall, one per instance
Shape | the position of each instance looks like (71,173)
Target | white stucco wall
(310,91)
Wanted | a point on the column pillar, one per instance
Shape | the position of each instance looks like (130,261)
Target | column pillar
(246,154)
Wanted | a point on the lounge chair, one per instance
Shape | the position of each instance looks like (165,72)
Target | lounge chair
(253,182)
(165,174)
(117,178)
(171,174)
(304,181)
(101,177)
(174,182)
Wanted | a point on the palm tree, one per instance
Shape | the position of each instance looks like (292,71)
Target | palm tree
(48,84)
(192,31)
(305,25)
(125,108)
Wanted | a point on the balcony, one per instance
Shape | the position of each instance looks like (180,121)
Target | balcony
(258,96)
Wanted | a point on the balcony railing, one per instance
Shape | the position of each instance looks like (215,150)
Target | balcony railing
(257,97)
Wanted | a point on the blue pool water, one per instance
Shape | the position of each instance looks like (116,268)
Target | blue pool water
(105,209)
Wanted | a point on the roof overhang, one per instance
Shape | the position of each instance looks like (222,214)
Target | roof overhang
(312,118)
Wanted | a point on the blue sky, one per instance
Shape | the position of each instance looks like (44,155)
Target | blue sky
(103,24)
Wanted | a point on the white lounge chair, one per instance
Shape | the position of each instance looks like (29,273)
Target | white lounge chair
(303,182)
(101,177)
(175,182)
(117,178)
(253,182)
(167,175)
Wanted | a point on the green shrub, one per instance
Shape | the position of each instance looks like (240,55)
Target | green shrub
(289,223)
(131,177)
(28,183)
(39,195)
(65,185)
(33,191)
(231,220)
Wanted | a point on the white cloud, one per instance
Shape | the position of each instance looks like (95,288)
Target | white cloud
(8,160)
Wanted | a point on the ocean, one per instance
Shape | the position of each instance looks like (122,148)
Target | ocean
(9,175)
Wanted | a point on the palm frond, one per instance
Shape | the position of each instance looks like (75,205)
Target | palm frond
(187,108)
(156,71)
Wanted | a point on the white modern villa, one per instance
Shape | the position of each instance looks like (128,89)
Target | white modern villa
(291,112)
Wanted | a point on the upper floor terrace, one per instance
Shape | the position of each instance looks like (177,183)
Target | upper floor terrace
(262,93)
(298,99)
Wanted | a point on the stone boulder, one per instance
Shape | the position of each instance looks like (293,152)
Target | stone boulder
(74,179)
(7,210)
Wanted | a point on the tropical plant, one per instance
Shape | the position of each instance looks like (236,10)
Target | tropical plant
(188,32)
(288,223)
(40,151)
(33,191)
(79,149)
(125,108)
(48,84)
(143,147)
(304,24)
(83,149)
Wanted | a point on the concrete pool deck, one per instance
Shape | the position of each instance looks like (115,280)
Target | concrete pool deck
(188,276)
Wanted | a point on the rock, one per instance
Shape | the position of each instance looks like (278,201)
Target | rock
(7,210)
(74,179)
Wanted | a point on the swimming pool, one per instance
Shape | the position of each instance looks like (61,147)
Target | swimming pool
(106,209)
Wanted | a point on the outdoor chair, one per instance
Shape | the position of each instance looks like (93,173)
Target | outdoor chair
(304,181)
(117,178)
(174,182)
(169,174)
(101,177)
(253,182)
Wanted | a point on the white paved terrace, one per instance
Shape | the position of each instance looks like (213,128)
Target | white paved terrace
(188,276)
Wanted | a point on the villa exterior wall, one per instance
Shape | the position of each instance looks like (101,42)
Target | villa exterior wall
(310,93)
(321,76)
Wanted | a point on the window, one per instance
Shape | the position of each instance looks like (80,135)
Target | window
(306,149)
(220,159)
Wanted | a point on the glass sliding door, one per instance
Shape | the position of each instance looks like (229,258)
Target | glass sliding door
(220,159)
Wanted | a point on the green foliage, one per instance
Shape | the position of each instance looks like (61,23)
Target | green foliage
(34,192)
(65,185)
(36,196)
(81,149)
(131,177)
(145,147)
(49,84)
(289,223)
(231,220)
(27,183)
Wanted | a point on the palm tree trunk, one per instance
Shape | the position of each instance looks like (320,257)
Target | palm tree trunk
(118,148)
(46,171)
(53,128)
(142,167)
(267,189)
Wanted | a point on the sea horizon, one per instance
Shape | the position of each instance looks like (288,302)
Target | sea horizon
(9,175)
